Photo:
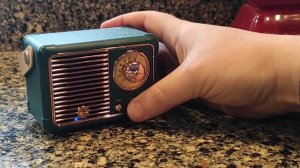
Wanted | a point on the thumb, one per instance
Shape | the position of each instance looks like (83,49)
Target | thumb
(167,93)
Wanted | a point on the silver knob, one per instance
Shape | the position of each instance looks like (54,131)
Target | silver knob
(135,72)
(118,107)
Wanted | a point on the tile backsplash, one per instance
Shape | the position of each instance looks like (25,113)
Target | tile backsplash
(21,17)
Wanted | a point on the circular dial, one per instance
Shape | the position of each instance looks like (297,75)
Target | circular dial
(131,70)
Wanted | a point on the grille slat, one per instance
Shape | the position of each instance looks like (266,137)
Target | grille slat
(80,104)
(98,107)
(80,72)
(101,114)
(79,58)
(79,81)
(60,95)
(76,68)
(68,101)
(80,95)
(60,90)
(79,63)
(99,79)
(76,77)
(74,114)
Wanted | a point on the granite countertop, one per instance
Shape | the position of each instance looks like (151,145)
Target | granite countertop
(19,18)
(188,136)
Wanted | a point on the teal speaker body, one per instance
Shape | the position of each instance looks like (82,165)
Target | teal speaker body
(85,77)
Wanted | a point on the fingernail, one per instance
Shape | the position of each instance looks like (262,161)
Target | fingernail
(135,110)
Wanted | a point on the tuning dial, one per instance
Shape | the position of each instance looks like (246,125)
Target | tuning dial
(131,70)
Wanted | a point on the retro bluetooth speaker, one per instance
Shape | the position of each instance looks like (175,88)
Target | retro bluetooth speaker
(78,78)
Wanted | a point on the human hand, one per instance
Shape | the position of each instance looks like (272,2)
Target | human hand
(242,73)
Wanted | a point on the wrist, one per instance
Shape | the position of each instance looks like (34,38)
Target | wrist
(286,57)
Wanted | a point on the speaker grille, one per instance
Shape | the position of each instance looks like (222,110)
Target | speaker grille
(80,86)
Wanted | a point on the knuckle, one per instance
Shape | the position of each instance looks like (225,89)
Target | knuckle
(156,93)
(193,69)
(195,74)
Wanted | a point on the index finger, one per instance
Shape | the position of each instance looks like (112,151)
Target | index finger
(162,25)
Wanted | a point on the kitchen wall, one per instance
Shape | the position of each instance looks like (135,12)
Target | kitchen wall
(21,17)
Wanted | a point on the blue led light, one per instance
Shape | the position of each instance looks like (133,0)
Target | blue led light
(76,119)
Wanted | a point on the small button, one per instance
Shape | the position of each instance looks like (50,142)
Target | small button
(83,111)
(118,107)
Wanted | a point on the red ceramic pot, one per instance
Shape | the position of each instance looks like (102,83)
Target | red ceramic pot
(269,16)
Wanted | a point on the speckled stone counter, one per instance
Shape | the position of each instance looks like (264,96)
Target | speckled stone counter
(188,136)
(21,17)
